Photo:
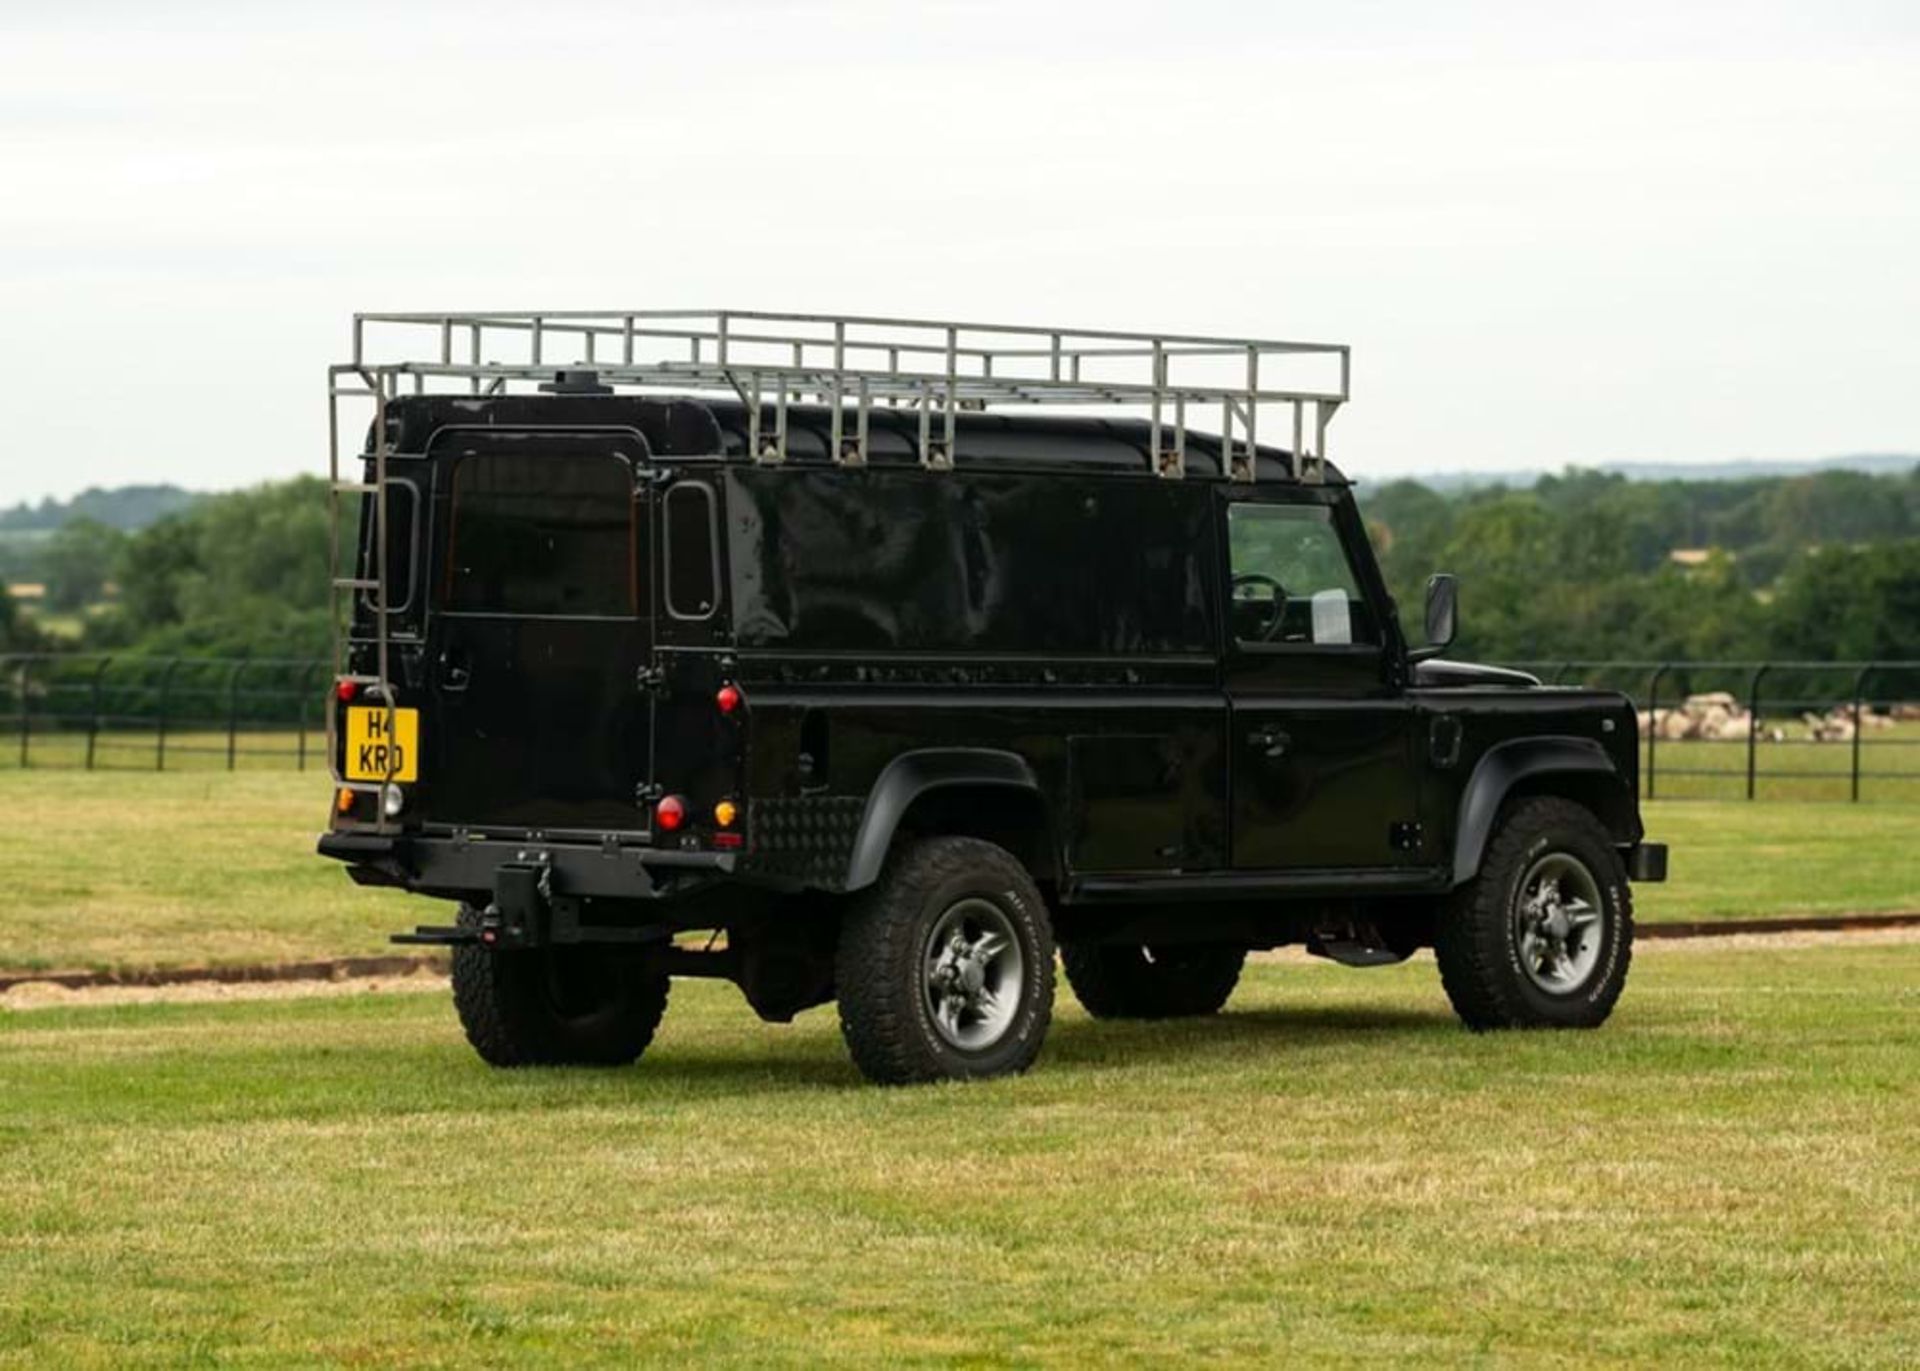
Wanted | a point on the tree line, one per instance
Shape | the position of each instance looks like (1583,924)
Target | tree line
(1581,565)
(1592,565)
(242,573)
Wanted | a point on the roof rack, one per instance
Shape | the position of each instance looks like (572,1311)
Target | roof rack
(850,363)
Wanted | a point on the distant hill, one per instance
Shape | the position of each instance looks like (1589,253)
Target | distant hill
(125,507)
(1744,469)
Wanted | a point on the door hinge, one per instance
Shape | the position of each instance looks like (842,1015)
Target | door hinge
(1405,836)
(647,792)
(650,678)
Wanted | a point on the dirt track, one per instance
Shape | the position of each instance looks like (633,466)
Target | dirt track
(20,993)
(27,995)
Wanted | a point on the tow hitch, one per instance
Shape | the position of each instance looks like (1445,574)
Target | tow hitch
(518,916)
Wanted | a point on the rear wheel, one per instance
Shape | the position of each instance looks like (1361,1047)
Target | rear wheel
(1541,938)
(945,966)
(556,1006)
(1152,982)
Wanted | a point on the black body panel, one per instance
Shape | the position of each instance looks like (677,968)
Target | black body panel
(1042,647)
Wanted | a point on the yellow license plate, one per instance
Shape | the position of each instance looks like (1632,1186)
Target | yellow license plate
(374,754)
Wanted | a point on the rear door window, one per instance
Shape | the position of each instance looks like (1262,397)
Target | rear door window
(542,535)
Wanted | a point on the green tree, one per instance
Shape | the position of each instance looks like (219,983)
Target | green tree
(240,572)
(79,559)
(154,568)
(1835,507)
(17,633)
(1850,604)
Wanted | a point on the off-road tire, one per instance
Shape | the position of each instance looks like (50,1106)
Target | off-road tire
(1177,981)
(879,969)
(556,1006)
(1477,941)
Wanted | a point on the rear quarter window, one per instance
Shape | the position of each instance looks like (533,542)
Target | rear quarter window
(691,554)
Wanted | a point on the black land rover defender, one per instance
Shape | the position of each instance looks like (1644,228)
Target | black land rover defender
(888,698)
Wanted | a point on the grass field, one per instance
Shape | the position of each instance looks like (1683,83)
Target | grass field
(203,748)
(1332,1171)
(145,869)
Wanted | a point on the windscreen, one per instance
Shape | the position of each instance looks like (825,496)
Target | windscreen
(541,535)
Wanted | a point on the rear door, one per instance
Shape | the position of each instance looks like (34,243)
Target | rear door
(542,623)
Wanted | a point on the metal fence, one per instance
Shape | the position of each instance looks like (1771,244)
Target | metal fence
(1766,729)
(132,712)
(1754,730)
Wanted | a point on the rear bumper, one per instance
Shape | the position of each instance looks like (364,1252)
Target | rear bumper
(1647,862)
(461,865)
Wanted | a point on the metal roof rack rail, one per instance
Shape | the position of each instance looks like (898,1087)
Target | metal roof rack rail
(852,362)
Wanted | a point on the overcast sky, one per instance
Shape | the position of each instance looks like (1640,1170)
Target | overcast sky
(1552,232)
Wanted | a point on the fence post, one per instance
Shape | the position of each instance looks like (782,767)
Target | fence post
(1653,722)
(26,710)
(1753,720)
(233,711)
(166,706)
(307,689)
(93,709)
(1859,689)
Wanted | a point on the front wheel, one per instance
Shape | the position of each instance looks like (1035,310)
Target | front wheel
(1541,938)
(945,966)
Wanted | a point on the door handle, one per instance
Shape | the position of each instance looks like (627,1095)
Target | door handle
(1273,742)
(455,674)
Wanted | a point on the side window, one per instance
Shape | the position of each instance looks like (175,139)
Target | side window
(691,555)
(1292,582)
(403,536)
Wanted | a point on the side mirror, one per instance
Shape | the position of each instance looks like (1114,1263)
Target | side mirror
(1443,614)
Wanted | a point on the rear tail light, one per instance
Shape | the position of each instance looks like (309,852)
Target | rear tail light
(670,813)
(728,698)
(346,690)
(725,813)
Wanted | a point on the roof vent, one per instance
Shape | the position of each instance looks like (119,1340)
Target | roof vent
(575,383)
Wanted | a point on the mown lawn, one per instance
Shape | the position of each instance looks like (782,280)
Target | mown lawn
(119,869)
(1741,860)
(1726,1175)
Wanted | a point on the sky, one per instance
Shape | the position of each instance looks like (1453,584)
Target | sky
(1552,232)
